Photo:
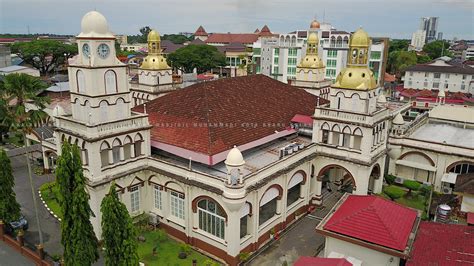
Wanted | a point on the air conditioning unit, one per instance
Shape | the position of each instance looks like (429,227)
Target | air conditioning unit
(399,180)
(154,219)
(427,183)
(447,190)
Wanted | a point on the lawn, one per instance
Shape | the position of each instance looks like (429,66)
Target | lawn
(50,192)
(415,201)
(167,251)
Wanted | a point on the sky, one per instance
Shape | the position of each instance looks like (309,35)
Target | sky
(380,18)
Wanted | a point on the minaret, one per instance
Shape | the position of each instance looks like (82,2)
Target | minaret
(108,133)
(352,129)
(310,71)
(155,76)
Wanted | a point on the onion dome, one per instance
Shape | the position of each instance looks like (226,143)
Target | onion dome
(360,38)
(312,60)
(94,24)
(314,25)
(234,158)
(153,35)
(398,120)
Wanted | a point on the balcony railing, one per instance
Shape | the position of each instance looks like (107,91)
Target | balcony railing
(324,112)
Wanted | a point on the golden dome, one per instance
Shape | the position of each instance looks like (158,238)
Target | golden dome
(314,25)
(356,78)
(153,35)
(360,38)
(313,38)
(311,61)
(154,62)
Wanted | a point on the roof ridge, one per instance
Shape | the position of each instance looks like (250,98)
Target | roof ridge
(382,221)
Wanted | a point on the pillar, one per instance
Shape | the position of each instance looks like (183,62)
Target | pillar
(122,153)
(330,137)
(46,165)
(111,156)
(351,142)
(233,233)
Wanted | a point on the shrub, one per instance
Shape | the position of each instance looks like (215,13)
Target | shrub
(425,190)
(411,185)
(390,179)
(244,256)
(393,192)
(185,248)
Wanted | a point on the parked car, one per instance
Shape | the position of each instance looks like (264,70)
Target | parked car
(21,223)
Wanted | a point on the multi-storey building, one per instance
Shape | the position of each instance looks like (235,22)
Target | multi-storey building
(440,75)
(430,26)
(418,40)
(221,164)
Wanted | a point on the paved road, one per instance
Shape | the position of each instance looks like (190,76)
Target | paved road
(10,257)
(300,240)
(49,225)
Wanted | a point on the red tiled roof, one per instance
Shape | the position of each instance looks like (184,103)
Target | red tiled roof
(470,218)
(246,38)
(316,261)
(265,31)
(389,78)
(200,31)
(442,244)
(373,219)
(216,115)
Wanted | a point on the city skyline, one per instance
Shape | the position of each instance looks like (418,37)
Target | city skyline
(395,20)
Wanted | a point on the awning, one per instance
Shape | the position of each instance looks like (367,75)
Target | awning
(449,178)
(416,165)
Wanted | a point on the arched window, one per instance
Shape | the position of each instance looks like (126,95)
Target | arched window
(138,145)
(103,107)
(127,148)
(357,138)
(325,133)
(333,41)
(336,134)
(87,112)
(355,102)
(211,218)
(120,109)
(339,41)
(346,41)
(268,205)
(80,82)
(294,188)
(116,145)
(110,79)
(104,153)
(464,167)
(84,154)
(346,137)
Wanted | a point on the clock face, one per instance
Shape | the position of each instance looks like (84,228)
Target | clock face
(103,50)
(86,50)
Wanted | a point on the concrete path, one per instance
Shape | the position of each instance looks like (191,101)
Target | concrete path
(300,240)
(9,257)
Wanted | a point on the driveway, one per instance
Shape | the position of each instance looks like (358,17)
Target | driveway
(12,257)
(300,240)
(50,226)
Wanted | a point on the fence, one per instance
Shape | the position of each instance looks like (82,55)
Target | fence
(30,251)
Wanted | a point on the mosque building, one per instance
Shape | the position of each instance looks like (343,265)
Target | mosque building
(221,165)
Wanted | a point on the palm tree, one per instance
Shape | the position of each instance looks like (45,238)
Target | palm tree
(16,92)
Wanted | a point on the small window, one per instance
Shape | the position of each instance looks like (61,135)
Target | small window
(437,75)
(177,204)
(158,197)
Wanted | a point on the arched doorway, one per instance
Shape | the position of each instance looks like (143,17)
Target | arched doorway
(374,175)
(337,178)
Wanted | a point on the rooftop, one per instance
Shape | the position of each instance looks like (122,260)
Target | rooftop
(207,119)
(315,261)
(442,67)
(246,38)
(446,134)
(443,244)
(373,219)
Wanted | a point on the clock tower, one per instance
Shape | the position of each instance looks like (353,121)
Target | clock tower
(102,125)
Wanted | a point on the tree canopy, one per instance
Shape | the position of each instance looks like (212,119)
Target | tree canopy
(398,45)
(201,57)
(398,61)
(437,49)
(44,55)
(118,232)
(77,234)
(9,207)
(176,38)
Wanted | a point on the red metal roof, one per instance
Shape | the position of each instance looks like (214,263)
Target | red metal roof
(211,117)
(470,218)
(303,119)
(443,244)
(316,261)
(246,38)
(373,219)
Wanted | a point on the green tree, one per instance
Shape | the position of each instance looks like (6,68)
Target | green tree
(118,233)
(393,192)
(77,234)
(437,49)
(16,91)
(45,55)
(398,45)
(144,33)
(411,185)
(176,38)
(201,57)
(422,59)
(399,61)
(9,207)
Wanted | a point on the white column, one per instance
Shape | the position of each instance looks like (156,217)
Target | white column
(233,233)
(329,137)
(122,154)
(111,156)
(351,142)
